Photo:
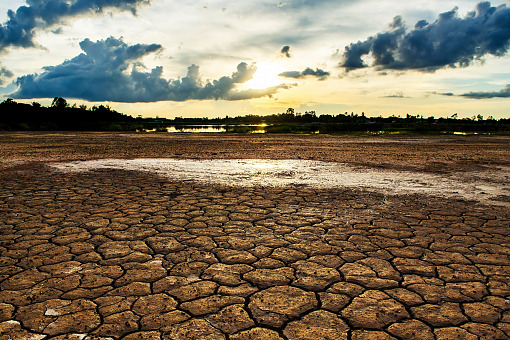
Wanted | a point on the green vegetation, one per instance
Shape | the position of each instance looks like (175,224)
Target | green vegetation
(62,116)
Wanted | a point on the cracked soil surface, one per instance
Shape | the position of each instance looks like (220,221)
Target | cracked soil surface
(118,254)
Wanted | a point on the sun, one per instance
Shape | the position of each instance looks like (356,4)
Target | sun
(265,76)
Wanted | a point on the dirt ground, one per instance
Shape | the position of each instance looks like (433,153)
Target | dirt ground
(448,153)
(118,254)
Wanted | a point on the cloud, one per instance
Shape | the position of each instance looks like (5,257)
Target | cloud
(110,70)
(450,41)
(503,93)
(396,95)
(285,51)
(321,74)
(20,29)
(4,73)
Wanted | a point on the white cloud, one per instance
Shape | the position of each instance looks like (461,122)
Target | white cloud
(110,70)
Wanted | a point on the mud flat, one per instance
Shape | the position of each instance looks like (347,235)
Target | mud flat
(141,236)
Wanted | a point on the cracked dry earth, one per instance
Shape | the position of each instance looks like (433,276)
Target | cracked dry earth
(116,254)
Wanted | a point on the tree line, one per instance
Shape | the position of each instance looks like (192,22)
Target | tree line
(60,115)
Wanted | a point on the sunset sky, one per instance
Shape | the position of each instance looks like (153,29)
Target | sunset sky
(215,58)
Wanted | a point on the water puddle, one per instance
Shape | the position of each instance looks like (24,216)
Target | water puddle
(243,128)
(490,187)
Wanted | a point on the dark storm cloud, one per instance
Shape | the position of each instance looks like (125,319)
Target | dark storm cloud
(20,29)
(110,70)
(450,41)
(321,74)
(285,51)
(4,73)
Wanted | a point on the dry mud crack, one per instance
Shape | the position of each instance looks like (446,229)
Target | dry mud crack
(114,253)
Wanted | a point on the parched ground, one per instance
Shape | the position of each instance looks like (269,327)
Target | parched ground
(116,254)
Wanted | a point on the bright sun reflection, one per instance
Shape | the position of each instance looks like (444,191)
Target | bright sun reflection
(265,76)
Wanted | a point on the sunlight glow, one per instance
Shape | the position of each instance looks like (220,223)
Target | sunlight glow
(265,76)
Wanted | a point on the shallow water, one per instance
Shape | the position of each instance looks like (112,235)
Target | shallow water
(490,187)
(252,128)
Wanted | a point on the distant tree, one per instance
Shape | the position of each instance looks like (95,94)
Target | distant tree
(59,103)
(8,101)
(83,107)
(36,104)
(455,115)
(290,111)
(102,108)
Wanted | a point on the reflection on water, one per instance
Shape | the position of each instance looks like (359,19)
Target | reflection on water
(488,187)
(465,133)
(253,128)
(196,129)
